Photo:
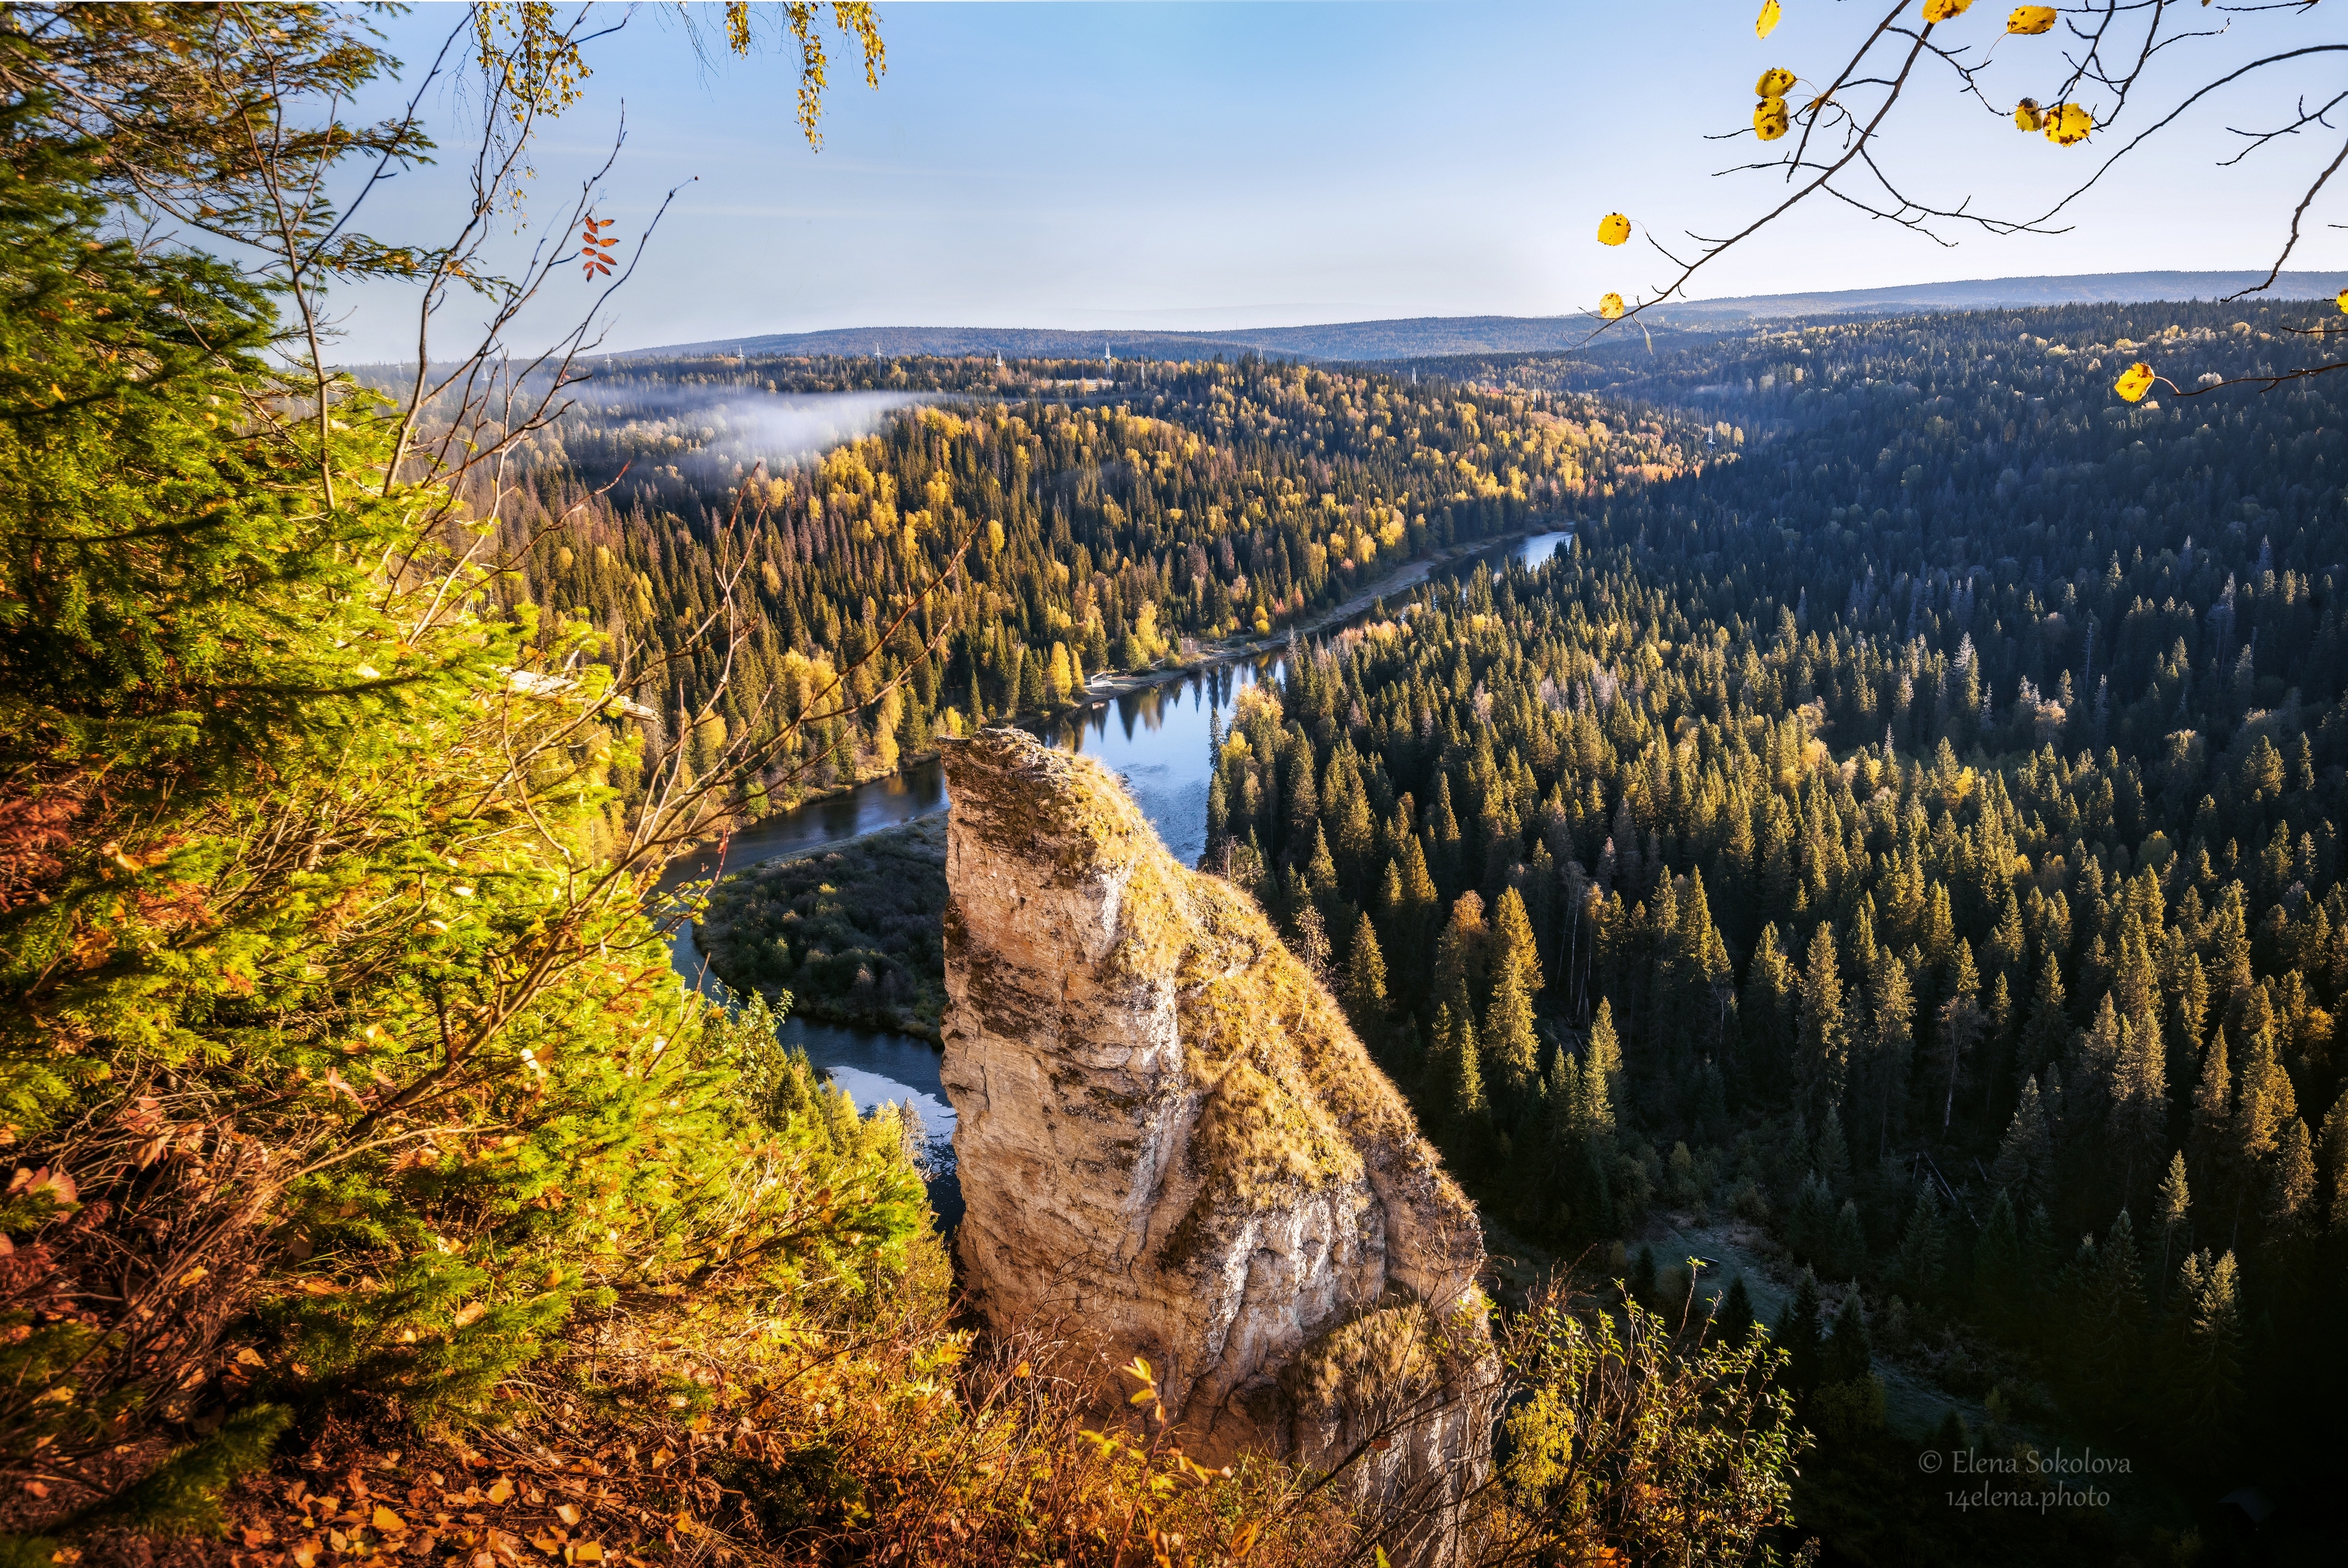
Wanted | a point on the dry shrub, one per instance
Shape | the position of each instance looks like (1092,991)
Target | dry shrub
(688,1429)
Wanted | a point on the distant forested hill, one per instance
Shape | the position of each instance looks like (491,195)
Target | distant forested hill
(1425,336)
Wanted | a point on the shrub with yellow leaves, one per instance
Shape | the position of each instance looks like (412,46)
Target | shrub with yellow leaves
(1613,1430)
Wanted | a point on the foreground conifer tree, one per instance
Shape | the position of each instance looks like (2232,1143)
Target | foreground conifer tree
(336,1056)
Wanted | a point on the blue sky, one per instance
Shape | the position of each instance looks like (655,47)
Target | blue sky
(1205,165)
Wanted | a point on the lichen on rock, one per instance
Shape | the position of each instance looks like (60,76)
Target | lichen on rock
(1169,1136)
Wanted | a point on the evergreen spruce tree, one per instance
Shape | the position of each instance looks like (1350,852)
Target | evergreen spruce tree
(1562,1099)
(1880,1090)
(1733,1321)
(1923,1249)
(2209,1137)
(2138,1120)
(1823,1047)
(2048,1031)
(1999,1283)
(1832,1154)
(2333,1161)
(2112,1320)
(1848,1354)
(1439,1071)
(1603,1058)
(1768,1010)
(2174,1208)
(1797,1334)
(1643,1276)
(2291,1182)
(1847,1246)
(1462,955)
(2041,1255)
(1468,1114)
(2209,1352)
(1509,1034)
(1809,1228)
(2025,1155)
(1366,981)
(1512,932)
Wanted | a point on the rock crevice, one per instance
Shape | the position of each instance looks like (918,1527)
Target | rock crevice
(1166,1132)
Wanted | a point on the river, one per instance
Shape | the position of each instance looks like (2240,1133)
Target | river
(1154,739)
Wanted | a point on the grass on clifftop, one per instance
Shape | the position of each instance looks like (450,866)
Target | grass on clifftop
(854,933)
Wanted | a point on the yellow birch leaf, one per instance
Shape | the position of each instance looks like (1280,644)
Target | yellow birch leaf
(1944,10)
(1613,228)
(2133,382)
(501,1489)
(1767,23)
(567,1512)
(1769,120)
(2343,301)
(2030,20)
(1774,83)
(2067,124)
(386,1520)
(1610,307)
(2027,114)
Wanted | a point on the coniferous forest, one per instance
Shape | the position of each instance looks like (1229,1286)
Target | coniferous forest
(1916,841)
(1865,925)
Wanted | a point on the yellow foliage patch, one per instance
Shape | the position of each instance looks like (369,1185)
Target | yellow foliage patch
(2067,124)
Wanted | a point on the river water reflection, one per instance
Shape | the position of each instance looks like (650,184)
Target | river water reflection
(1155,740)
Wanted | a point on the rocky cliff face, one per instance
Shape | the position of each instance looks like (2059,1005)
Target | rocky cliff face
(1168,1135)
